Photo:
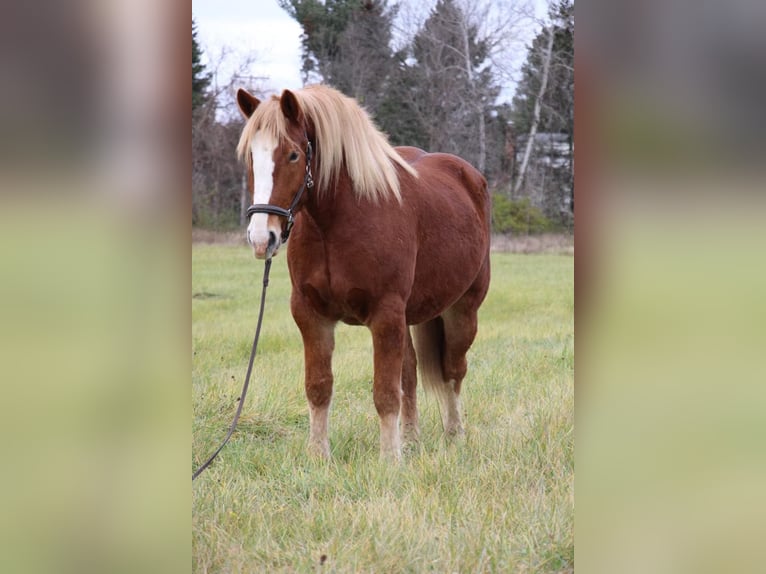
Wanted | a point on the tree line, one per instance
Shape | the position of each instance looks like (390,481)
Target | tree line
(440,89)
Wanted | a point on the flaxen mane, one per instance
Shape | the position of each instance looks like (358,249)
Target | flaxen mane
(344,132)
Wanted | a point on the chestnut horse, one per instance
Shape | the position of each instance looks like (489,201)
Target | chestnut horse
(383,237)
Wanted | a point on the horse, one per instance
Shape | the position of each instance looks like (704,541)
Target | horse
(391,238)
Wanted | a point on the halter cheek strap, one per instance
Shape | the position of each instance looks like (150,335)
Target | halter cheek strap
(289,213)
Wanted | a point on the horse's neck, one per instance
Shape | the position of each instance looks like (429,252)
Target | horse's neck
(326,206)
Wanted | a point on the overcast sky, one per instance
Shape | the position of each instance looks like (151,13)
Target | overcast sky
(251,27)
(261,29)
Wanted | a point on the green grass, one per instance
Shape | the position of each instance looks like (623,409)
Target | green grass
(500,500)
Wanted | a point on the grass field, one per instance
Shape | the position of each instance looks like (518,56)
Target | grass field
(500,500)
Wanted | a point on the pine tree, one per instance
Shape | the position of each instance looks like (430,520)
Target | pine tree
(365,60)
(398,113)
(200,77)
(323,23)
(346,44)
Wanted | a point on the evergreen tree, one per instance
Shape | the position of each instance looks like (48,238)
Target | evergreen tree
(364,60)
(398,114)
(200,77)
(323,23)
(346,44)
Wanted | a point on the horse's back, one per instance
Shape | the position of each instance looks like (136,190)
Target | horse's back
(444,171)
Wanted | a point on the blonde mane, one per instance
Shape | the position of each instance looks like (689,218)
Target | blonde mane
(345,135)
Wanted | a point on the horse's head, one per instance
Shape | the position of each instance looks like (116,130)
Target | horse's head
(278,167)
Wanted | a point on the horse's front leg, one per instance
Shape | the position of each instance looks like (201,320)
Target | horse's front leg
(388,338)
(318,343)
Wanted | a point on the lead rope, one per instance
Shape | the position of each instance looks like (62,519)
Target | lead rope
(247,376)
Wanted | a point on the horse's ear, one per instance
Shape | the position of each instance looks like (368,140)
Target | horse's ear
(290,107)
(246,102)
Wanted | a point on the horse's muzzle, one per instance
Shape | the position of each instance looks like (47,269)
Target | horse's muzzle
(266,250)
(273,245)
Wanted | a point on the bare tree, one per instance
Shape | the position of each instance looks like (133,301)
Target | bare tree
(451,86)
(536,114)
(542,116)
(218,195)
(463,49)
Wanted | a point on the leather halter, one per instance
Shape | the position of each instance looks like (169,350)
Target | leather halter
(289,213)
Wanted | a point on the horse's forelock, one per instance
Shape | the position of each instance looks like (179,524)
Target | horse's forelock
(267,117)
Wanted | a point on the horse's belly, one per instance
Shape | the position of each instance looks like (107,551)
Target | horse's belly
(445,270)
(351,307)
(421,308)
(437,289)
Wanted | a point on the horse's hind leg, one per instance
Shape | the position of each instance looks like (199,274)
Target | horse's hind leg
(460,325)
(459,332)
(442,344)
(409,422)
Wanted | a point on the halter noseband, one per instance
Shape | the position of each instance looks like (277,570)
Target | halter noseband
(288,213)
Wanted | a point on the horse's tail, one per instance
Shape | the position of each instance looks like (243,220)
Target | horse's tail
(428,338)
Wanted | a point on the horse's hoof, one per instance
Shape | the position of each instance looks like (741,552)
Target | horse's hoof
(321,451)
(455,433)
(391,456)
(410,435)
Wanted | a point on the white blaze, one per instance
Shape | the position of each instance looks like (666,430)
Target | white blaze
(262,149)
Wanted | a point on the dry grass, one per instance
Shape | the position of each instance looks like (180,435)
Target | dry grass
(554,243)
(211,236)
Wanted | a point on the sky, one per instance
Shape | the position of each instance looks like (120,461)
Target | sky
(258,28)
(261,29)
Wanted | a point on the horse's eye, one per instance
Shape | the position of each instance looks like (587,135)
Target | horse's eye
(293,157)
